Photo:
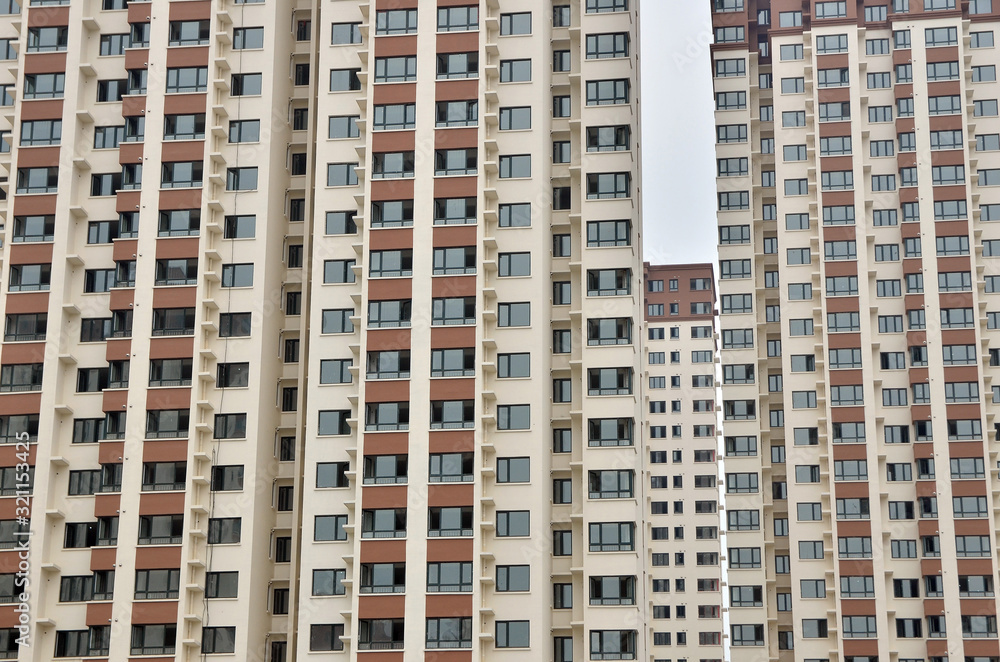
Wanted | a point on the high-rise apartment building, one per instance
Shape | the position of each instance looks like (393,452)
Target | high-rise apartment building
(323,320)
(857,149)
(682,441)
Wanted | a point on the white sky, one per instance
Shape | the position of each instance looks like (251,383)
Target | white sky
(678,145)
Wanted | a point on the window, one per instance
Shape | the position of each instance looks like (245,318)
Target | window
(383,578)
(392,117)
(399,69)
(793,118)
(345,33)
(944,105)
(457,260)
(37,180)
(396,21)
(449,522)
(189,33)
(44,86)
(747,635)
(982,39)
(445,311)
(387,416)
(607,92)
(241,179)
(512,523)
(159,584)
(326,637)
(979,626)
(328,582)
(185,80)
(49,132)
(346,80)
(449,162)
(154,639)
(840,180)
(240,131)
(512,634)
(737,303)
(975,585)
(224,530)
(451,467)
(980,74)
(611,484)
(730,34)
(380,634)
(237,275)
(735,167)
(457,65)
(329,528)
(833,77)
(449,633)
(516,166)
(515,71)
(223,639)
(457,19)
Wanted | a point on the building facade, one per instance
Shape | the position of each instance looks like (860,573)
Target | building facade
(220,211)
(682,441)
(857,159)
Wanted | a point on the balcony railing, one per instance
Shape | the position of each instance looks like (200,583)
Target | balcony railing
(612,601)
(450,588)
(175,281)
(449,533)
(595,443)
(452,425)
(388,375)
(386,427)
(166,434)
(392,588)
(161,540)
(384,480)
(449,644)
(23,337)
(380,645)
(383,534)
(174,331)
(13,438)
(464,372)
(153,650)
(157,595)
(609,391)
(456,478)
(162,487)
(19,388)
(169,382)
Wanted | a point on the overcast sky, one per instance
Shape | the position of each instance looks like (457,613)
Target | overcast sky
(678,146)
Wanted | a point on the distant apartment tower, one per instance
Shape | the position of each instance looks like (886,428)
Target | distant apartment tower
(323,319)
(858,150)
(681,360)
